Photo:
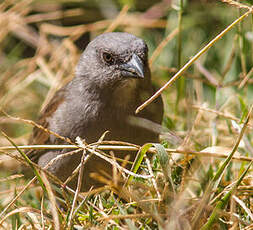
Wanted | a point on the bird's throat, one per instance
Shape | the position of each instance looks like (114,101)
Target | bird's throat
(124,94)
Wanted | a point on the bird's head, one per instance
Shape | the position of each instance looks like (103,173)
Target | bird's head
(115,59)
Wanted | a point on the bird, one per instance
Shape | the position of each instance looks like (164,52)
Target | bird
(112,78)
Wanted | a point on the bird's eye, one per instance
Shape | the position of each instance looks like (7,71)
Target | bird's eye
(108,57)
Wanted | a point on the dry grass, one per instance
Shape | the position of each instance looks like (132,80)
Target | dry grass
(199,179)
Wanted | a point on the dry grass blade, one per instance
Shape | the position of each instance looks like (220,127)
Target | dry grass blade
(228,116)
(153,179)
(84,159)
(41,212)
(16,89)
(53,15)
(244,206)
(207,74)
(131,148)
(52,199)
(191,61)
(116,164)
(129,216)
(246,78)
(161,46)
(80,177)
(40,127)
(13,177)
(236,4)
(21,210)
(118,20)
(17,196)
(76,31)
(230,60)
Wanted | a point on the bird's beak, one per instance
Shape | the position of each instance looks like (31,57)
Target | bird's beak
(133,68)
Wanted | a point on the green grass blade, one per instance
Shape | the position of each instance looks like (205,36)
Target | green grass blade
(164,161)
(224,201)
(138,160)
(27,160)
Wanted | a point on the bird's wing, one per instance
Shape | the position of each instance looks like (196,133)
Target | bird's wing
(40,136)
